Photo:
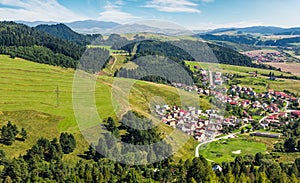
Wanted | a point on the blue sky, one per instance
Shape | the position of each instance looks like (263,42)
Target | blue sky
(192,14)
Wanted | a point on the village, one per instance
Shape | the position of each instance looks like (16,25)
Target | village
(262,56)
(265,108)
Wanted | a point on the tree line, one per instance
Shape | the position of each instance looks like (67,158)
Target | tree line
(44,162)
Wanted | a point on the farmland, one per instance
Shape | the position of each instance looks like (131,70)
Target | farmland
(259,83)
(293,68)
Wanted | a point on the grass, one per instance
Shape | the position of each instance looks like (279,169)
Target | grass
(28,86)
(222,150)
(115,64)
(232,69)
(259,84)
(111,51)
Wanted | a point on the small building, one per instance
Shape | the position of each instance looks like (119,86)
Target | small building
(269,135)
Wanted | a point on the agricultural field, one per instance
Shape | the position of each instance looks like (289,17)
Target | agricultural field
(293,68)
(43,93)
(260,83)
(227,149)
(232,69)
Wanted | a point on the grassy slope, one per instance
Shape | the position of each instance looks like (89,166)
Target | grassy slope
(31,86)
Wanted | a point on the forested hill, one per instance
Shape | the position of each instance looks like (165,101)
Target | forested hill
(64,32)
(18,40)
(190,50)
(13,34)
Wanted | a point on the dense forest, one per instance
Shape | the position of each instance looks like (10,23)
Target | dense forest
(164,62)
(64,32)
(250,40)
(239,39)
(44,161)
(13,34)
(18,40)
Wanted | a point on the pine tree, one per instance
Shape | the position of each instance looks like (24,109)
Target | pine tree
(67,142)
(23,134)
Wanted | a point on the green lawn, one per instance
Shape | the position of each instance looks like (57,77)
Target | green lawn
(224,150)
(28,86)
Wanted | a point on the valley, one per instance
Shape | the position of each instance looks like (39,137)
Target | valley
(229,104)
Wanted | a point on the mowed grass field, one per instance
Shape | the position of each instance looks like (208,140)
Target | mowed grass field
(28,98)
(227,150)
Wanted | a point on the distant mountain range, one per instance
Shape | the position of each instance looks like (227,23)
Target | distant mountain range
(101,27)
(85,27)
(260,30)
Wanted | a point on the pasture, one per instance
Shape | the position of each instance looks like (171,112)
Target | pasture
(28,86)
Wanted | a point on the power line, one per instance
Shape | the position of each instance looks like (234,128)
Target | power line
(57,96)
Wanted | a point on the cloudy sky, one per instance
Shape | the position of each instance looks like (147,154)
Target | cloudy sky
(192,14)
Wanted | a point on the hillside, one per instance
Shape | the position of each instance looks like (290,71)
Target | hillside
(64,32)
(29,43)
(36,94)
(190,50)
(260,30)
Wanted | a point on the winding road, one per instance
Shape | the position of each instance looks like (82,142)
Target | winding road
(233,134)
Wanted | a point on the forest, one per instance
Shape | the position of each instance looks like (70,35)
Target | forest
(43,162)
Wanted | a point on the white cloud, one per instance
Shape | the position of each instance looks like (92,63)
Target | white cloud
(114,13)
(207,1)
(33,10)
(173,6)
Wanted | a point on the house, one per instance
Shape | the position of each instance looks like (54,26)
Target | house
(217,168)
(296,114)
(269,135)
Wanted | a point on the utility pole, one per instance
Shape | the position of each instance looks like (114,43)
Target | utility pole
(57,96)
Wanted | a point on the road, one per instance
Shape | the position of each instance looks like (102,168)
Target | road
(285,110)
(230,135)
(112,67)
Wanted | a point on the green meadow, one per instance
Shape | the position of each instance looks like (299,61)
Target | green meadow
(30,99)
(227,149)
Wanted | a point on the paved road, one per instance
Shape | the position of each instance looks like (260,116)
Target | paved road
(230,135)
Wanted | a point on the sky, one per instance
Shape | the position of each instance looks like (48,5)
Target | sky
(190,14)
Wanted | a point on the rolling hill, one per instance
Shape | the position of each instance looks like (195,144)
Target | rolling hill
(64,32)
(259,30)
(29,99)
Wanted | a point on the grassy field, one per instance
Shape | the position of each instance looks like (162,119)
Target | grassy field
(28,86)
(260,83)
(112,51)
(227,150)
(233,69)
(116,63)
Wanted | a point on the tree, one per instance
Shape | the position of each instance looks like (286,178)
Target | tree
(8,133)
(289,145)
(242,131)
(23,134)
(67,142)
(258,158)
